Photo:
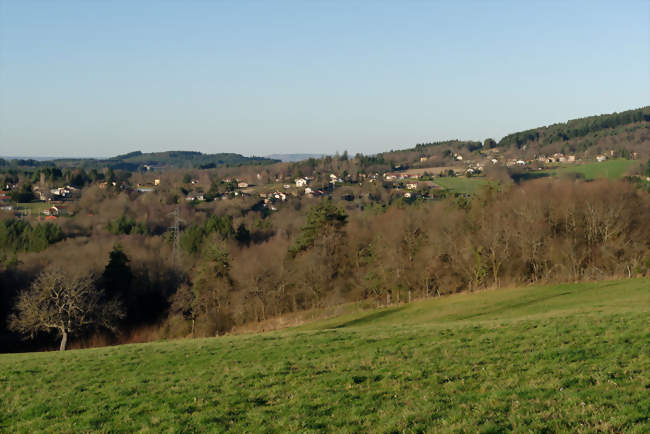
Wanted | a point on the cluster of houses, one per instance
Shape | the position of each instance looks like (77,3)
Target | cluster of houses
(56,198)
(557,158)
(55,194)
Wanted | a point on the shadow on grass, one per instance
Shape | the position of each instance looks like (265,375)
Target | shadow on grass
(512,306)
(370,317)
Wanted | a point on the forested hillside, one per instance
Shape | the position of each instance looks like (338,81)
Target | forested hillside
(630,129)
(171,159)
(137,160)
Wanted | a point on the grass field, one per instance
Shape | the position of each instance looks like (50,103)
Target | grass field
(459,184)
(569,358)
(35,208)
(611,169)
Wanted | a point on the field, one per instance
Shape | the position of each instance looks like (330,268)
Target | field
(571,358)
(34,208)
(459,184)
(610,169)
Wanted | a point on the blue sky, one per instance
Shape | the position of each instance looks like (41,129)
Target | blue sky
(99,78)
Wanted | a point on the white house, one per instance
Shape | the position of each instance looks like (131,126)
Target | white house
(301,182)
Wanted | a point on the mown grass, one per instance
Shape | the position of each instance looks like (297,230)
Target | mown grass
(35,208)
(609,169)
(554,358)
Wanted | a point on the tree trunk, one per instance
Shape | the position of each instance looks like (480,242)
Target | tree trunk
(64,340)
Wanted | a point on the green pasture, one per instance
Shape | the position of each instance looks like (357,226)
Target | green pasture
(558,358)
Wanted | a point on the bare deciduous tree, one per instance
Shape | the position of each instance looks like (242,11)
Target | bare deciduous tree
(63,303)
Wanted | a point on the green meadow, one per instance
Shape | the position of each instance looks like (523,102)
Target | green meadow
(559,358)
(462,184)
(610,169)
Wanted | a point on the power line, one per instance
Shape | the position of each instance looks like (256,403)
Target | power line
(175,234)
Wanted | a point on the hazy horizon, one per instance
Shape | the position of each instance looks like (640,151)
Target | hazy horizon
(80,79)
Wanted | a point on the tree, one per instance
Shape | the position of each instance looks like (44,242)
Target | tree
(59,302)
(489,143)
(117,276)
(323,221)
(211,287)
(23,194)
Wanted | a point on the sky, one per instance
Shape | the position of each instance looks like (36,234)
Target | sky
(101,78)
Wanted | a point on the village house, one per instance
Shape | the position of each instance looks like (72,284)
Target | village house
(62,192)
(242,185)
(56,210)
(411,186)
(600,158)
(301,182)
(279,195)
(195,196)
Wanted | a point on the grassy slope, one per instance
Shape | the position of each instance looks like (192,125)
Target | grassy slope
(611,169)
(564,358)
(459,184)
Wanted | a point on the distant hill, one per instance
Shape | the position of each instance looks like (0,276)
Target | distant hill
(169,159)
(629,129)
(616,134)
(294,157)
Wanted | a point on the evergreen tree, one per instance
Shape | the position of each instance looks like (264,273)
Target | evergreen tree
(322,220)
(117,276)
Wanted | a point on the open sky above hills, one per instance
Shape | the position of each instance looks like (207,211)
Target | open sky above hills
(98,79)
